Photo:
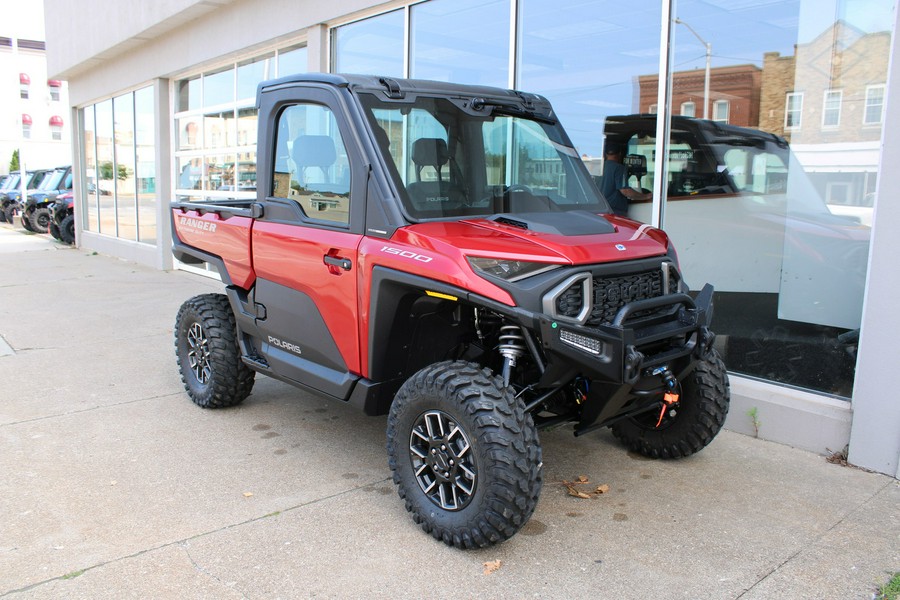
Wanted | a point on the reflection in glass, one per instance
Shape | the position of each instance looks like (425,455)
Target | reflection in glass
(188,97)
(218,130)
(145,164)
(245,176)
(312,167)
(246,133)
(188,129)
(126,197)
(464,41)
(189,173)
(90,221)
(775,213)
(292,60)
(250,74)
(585,58)
(106,183)
(373,45)
(220,172)
(218,88)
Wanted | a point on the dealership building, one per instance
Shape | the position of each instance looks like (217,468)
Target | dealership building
(791,216)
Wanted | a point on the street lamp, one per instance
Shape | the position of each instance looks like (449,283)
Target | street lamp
(706,78)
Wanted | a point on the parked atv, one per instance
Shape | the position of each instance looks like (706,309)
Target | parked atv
(11,201)
(36,209)
(62,218)
(439,253)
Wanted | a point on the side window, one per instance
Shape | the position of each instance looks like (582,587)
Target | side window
(311,165)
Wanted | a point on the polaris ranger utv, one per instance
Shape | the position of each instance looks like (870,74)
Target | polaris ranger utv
(439,253)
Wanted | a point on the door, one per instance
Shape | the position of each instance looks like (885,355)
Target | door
(305,250)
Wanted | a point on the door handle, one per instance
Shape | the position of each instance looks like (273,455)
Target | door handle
(337,261)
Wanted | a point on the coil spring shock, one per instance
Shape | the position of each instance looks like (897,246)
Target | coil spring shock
(511,347)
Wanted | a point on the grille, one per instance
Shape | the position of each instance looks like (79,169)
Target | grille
(610,293)
(570,303)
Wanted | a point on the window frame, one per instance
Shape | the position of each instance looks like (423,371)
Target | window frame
(715,110)
(788,111)
(826,110)
(866,105)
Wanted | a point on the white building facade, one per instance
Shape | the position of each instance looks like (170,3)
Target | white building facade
(35,107)
(161,98)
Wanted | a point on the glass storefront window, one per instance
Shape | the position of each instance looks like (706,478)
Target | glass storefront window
(123,172)
(373,45)
(249,75)
(774,209)
(218,87)
(120,167)
(292,60)
(585,57)
(145,164)
(90,217)
(106,183)
(769,195)
(461,41)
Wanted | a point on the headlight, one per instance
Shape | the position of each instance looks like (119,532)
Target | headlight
(509,270)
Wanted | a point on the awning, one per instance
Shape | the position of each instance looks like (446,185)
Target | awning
(54,83)
(56,121)
(26,119)
(24,79)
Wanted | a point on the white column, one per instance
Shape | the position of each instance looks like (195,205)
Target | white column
(875,431)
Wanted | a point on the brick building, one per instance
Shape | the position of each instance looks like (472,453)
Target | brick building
(830,91)
(734,94)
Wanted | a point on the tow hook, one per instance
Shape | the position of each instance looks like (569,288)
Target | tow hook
(670,396)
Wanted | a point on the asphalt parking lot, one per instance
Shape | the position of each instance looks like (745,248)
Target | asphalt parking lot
(114,485)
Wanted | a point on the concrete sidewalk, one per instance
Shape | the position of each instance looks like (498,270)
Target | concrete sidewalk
(114,485)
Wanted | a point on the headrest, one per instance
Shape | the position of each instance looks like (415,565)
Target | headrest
(313,151)
(430,152)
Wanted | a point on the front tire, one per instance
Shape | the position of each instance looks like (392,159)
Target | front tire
(464,454)
(698,416)
(209,358)
(67,229)
(40,219)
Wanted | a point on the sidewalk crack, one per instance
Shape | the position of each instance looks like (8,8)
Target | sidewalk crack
(814,542)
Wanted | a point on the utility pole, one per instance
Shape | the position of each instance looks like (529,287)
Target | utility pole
(708,56)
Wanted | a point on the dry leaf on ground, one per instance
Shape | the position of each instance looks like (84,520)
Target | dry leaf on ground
(572,487)
(491,566)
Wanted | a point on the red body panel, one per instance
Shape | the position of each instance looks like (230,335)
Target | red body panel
(228,239)
(481,237)
(293,256)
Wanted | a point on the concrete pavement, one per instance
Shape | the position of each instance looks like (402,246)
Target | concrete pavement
(114,485)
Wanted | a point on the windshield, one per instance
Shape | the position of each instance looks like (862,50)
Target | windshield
(11,183)
(51,181)
(448,161)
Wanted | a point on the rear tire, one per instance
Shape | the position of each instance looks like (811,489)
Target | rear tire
(209,358)
(699,416)
(10,212)
(40,219)
(464,454)
(26,221)
(67,229)
(54,230)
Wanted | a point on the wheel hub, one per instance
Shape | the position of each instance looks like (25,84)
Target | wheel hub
(442,460)
(198,353)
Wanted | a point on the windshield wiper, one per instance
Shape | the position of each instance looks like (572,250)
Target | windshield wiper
(511,108)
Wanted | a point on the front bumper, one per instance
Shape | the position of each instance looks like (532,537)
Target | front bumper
(644,334)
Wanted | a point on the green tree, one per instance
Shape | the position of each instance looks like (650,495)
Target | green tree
(14,161)
(105,171)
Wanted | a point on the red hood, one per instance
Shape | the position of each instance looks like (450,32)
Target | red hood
(627,240)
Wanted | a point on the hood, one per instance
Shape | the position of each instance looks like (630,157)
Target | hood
(572,237)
